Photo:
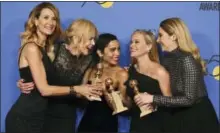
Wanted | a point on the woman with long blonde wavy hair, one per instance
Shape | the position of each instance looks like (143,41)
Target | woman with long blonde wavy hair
(192,110)
(27,115)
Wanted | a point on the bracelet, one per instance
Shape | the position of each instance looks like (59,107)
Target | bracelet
(72,91)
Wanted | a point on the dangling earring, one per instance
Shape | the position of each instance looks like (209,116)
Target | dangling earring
(100,64)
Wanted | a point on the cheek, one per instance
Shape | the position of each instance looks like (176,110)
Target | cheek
(87,43)
(166,41)
(107,56)
(142,48)
(163,40)
(42,22)
(54,23)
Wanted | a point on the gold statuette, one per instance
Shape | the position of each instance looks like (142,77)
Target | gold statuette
(97,80)
(117,104)
(144,109)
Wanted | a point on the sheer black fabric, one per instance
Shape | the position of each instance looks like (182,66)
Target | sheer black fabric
(69,70)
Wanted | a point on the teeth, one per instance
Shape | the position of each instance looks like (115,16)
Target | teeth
(49,27)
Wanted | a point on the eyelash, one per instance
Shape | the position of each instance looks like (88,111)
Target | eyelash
(112,50)
(135,42)
(46,17)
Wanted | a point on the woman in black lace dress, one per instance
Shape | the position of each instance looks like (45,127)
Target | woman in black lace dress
(192,109)
(28,113)
(151,78)
(70,61)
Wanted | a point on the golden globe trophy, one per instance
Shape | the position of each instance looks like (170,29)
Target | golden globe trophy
(97,80)
(144,109)
(117,104)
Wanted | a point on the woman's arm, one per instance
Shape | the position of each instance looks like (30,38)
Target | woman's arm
(34,59)
(122,78)
(164,81)
(191,76)
(27,87)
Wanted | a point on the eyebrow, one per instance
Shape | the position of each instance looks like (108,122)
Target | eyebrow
(115,47)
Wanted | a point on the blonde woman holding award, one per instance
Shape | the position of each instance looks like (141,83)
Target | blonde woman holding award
(146,75)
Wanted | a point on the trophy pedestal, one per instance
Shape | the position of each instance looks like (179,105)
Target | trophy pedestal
(95,98)
(119,110)
(145,111)
(119,107)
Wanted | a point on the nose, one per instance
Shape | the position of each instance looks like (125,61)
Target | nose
(117,52)
(51,21)
(93,42)
(132,45)
(158,40)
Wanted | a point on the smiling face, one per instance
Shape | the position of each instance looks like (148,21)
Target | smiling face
(82,33)
(164,39)
(46,23)
(87,45)
(138,46)
(111,53)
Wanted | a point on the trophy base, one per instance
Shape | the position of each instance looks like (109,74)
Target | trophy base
(95,98)
(119,111)
(146,113)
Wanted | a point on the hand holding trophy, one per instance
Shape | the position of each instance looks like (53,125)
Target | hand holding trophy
(144,109)
(97,80)
(116,103)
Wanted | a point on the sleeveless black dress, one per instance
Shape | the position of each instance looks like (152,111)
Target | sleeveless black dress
(69,70)
(27,114)
(151,123)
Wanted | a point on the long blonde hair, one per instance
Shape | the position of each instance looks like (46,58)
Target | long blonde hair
(175,26)
(80,29)
(150,39)
(30,34)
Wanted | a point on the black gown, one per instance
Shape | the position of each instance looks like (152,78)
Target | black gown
(69,70)
(98,118)
(153,122)
(27,114)
(192,111)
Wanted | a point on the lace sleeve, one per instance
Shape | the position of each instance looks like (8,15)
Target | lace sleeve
(189,86)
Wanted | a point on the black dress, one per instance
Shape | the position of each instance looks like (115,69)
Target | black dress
(27,114)
(69,70)
(192,110)
(98,118)
(153,122)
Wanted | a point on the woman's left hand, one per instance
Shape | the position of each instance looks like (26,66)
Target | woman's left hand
(143,99)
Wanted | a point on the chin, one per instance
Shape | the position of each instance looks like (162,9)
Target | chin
(48,33)
(85,52)
(113,63)
(133,55)
(165,49)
